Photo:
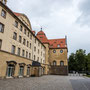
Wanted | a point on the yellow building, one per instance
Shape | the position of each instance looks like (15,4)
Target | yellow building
(56,54)
(22,53)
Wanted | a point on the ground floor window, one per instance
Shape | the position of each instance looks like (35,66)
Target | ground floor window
(54,63)
(21,71)
(10,70)
(61,63)
(28,70)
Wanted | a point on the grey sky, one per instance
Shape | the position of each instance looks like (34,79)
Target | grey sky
(59,18)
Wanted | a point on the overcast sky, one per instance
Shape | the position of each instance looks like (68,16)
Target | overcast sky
(59,18)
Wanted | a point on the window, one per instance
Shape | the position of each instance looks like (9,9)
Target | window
(54,51)
(21,27)
(54,63)
(61,63)
(58,45)
(38,59)
(23,53)
(41,37)
(0,44)
(28,34)
(61,51)
(21,71)
(24,41)
(27,43)
(26,54)
(29,55)
(38,51)
(10,70)
(16,24)
(34,57)
(3,13)
(1,27)
(30,45)
(13,49)
(24,31)
(15,36)
(41,60)
(35,40)
(34,48)
(28,70)
(4,1)
(41,53)
(20,39)
(19,51)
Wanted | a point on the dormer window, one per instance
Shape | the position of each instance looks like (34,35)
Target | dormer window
(58,45)
(61,41)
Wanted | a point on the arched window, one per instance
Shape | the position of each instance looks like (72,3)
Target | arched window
(54,63)
(61,63)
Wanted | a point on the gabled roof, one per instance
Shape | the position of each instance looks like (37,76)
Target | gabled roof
(53,43)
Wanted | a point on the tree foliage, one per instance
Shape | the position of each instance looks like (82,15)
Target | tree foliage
(79,61)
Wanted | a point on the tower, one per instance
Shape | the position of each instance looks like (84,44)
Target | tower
(4,1)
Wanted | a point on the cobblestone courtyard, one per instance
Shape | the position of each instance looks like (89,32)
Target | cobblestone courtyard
(46,83)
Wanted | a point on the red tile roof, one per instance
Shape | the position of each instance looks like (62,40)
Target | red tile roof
(17,14)
(54,43)
(57,43)
(42,37)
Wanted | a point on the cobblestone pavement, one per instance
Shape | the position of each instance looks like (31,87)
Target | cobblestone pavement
(49,82)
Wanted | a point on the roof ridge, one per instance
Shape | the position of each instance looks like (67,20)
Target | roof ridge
(56,39)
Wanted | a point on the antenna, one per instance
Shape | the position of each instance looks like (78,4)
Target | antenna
(41,28)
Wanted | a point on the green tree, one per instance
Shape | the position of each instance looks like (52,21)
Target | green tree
(88,62)
(72,62)
(77,61)
(81,60)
